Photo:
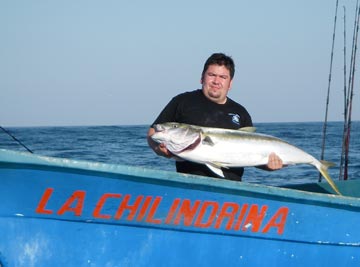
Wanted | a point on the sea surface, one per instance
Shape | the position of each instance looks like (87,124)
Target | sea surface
(127,145)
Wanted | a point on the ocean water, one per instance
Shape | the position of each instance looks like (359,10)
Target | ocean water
(127,145)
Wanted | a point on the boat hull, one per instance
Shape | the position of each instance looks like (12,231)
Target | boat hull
(59,212)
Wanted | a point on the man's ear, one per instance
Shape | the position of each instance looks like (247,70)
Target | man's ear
(230,85)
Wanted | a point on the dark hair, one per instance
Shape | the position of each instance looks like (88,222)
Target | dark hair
(221,60)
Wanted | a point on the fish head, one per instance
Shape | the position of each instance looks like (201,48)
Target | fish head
(177,137)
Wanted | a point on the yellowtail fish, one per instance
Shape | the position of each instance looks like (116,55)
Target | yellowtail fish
(223,148)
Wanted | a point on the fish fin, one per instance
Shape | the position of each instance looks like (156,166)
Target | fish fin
(248,129)
(323,170)
(327,163)
(208,141)
(215,169)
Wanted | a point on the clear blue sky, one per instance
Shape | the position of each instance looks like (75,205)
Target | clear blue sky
(119,62)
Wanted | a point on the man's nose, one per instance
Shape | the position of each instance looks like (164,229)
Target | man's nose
(216,80)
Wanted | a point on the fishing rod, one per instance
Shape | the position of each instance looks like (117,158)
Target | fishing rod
(350,97)
(347,99)
(17,140)
(328,90)
(342,156)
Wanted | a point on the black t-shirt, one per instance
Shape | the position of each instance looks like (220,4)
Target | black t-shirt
(194,108)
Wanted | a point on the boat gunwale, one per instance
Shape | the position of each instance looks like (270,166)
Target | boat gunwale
(10,158)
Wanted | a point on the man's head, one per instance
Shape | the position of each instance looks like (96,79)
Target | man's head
(221,60)
(216,78)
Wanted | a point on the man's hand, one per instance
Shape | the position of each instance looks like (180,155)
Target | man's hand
(274,163)
(161,150)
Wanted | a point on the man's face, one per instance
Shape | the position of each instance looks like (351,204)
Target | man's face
(216,83)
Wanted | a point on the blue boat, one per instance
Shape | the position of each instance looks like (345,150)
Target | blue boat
(62,212)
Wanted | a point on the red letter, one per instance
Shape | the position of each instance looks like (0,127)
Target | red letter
(187,211)
(101,203)
(214,208)
(153,209)
(255,218)
(282,214)
(78,196)
(241,216)
(144,208)
(231,215)
(124,205)
(172,210)
(43,201)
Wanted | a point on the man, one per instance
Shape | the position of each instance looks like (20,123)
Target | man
(209,107)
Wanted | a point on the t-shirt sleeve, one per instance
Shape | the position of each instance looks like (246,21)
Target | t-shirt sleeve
(168,114)
(247,119)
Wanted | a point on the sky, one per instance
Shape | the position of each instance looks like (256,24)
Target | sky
(85,62)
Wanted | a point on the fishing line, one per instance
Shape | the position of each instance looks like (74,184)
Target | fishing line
(17,140)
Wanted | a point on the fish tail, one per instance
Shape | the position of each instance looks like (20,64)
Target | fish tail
(324,171)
